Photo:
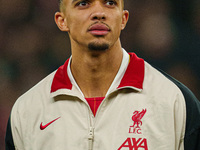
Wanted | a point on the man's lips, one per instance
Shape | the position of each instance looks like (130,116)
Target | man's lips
(99,29)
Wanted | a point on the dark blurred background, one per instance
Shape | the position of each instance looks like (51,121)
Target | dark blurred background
(166,33)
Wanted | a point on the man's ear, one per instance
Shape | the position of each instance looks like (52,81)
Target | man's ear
(124,19)
(61,21)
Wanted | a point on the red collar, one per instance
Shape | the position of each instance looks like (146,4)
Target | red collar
(133,77)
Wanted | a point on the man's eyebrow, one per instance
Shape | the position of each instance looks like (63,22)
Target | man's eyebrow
(73,1)
(114,0)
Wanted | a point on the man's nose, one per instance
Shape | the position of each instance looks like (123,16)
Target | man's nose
(98,12)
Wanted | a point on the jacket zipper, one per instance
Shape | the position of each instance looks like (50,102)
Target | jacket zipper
(91,127)
(90,138)
(91,130)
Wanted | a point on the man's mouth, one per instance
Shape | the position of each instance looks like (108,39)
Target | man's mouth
(99,29)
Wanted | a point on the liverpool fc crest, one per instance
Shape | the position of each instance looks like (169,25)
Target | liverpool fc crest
(137,123)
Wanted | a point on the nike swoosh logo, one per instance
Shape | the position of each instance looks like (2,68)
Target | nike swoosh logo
(42,127)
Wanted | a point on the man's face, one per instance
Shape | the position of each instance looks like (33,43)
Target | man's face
(95,24)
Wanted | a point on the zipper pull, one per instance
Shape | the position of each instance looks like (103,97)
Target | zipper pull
(91,138)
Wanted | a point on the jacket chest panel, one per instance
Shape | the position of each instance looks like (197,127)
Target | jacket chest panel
(135,121)
(120,121)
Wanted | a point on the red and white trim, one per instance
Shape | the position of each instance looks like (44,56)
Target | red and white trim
(132,78)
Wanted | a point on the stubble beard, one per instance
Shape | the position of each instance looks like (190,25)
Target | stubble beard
(93,46)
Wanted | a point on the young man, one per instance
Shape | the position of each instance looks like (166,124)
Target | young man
(103,98)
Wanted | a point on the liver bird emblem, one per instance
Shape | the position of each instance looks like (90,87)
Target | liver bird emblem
(137,116)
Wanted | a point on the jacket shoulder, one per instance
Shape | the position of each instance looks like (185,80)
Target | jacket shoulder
(192,130)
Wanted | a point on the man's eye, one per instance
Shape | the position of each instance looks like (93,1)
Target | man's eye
(110,3)
(82,4)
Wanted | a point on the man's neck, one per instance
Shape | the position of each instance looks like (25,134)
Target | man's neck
(95,72)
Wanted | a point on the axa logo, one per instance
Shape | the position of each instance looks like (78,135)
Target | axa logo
(134,144)
(137,123)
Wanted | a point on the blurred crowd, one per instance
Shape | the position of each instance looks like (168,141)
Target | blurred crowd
(166,33)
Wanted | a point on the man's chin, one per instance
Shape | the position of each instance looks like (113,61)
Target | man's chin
(98,47)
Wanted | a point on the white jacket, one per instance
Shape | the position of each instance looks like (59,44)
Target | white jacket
(147,110)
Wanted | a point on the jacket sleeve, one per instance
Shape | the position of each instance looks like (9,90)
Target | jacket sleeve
(9,145)
(192,131)
(13,139)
